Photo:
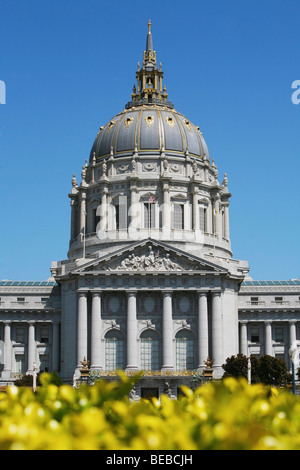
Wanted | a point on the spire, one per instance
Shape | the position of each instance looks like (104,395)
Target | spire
(149,89)
(149,43)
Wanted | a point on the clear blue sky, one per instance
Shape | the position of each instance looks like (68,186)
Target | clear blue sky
(69,67)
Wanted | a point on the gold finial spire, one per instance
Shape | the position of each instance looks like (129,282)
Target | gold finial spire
(149,26)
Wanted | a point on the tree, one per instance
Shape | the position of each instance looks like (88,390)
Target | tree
(267,370)
(272,371)
(237,366)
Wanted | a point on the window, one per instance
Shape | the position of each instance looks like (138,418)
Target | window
(96,220)
(254,300)
(184,350)
(117,207)
(20,335)
(149,215)
(149,351)
(20,299)
(44,335)
(178,216)
(121,213)
(254,335)
(278,300)
(203,218)
(279,336)
(20,364)
(114,351)
(44,363)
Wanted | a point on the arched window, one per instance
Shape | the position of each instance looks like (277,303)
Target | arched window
(114,351)
(184,350)
(150,357)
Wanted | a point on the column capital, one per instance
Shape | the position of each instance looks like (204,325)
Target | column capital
(167,293)
(131,293)
(96,293)
(202,292)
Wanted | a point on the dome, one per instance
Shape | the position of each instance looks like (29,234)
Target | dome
(149,129)
(149,124)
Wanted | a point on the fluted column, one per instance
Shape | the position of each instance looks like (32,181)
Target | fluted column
(268,336)
(202,329)
(217,330)
(7,349)
(132,362)
(244,338)
(82,330)
(96,359)
(168,360)
(31,347)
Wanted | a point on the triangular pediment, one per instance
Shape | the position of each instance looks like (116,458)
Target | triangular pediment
(149,256)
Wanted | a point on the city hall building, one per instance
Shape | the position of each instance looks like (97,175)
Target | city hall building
(150,282)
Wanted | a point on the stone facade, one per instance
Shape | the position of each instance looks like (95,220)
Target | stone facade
(150,282)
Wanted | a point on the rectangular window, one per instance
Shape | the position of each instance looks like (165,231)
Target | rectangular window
(20,364)
(203,219)
(44,363)
(254,335)
(20,335)
(254,300)
(44,335)
(117,208)
(121,213)
(178,216)
(278,300)
(96,220)
(279,337)
(20,299)
(149,215)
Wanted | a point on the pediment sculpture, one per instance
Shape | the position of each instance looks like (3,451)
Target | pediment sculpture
(152,261)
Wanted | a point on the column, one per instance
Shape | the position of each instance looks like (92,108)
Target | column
(226,221)
(196,224)
(82,328)
(96,359)
(168,361)
(73,219)
(134,211)
(31,347)
(217,217)
(268,336)
(166,214)
(217,330)
(103,212)
(7,349)
(293,332)
(83,213)
(132,362)
(202,329)
(244,338)
(55,347)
